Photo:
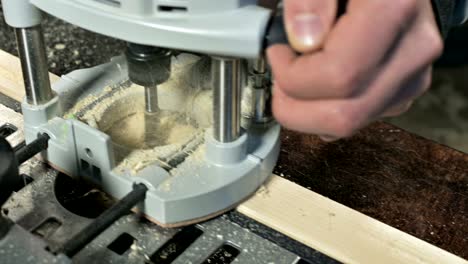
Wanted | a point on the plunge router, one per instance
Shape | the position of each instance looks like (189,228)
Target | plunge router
(238,147)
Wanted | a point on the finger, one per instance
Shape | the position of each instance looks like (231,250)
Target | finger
(404,99)
(308,22)
(342,117)
(408,74)
(327,138)
(398,110)
(355,48)
(328,118)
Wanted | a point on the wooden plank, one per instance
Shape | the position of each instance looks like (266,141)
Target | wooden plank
(11,76)
(318,222)
(336,230)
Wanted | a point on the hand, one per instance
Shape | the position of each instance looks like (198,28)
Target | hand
(371,62)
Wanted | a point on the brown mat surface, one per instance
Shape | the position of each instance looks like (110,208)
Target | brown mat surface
(401,179)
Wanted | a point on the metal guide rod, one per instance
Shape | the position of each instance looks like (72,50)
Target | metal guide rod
(33,58)
(227,81)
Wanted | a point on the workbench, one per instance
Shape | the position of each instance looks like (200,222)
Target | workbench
(377,197)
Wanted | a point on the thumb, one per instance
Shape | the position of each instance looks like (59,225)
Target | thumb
(308,22)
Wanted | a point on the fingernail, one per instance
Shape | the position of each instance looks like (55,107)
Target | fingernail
(328,138)
(307,28)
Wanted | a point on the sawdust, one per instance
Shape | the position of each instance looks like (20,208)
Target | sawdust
(143,131)
(141,139)
(194,160)
(263,191)
(180,132)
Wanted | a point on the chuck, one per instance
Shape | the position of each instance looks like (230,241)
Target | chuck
(149,67)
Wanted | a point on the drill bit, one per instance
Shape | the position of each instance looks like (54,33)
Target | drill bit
(151,99)
(152,116)
(149,66)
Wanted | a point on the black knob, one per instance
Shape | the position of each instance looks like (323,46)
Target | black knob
(9,179)
(10,161)
(148,66)
(9,172)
